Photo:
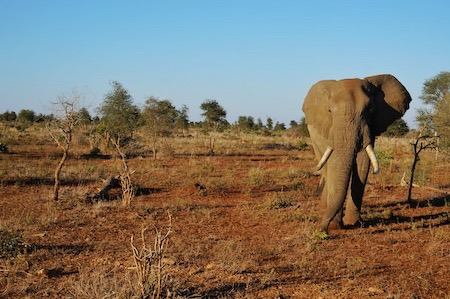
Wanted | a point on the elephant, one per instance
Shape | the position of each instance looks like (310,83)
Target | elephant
(343,118)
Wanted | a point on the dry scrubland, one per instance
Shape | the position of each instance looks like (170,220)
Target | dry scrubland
(243,223)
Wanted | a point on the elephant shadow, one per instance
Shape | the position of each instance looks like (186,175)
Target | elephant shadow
(394,216)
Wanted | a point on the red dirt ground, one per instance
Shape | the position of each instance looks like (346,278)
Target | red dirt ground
(248,232)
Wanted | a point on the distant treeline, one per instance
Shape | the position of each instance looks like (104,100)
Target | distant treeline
(177,120)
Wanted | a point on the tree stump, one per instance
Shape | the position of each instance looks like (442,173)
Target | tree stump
(110,183)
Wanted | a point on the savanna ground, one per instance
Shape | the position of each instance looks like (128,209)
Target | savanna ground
(243,223)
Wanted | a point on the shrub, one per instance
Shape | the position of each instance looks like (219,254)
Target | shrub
(256,176)
(153,278)
(302,145)
(3,148)
(385,156)
(95,151)
(10,244)
(279,201)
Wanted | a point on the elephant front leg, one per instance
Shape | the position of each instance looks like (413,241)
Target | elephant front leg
(332,202)
(356,190)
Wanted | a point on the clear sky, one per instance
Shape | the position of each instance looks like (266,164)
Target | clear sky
(256,58)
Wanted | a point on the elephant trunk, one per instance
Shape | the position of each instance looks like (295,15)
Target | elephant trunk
(340,159)
(339,168)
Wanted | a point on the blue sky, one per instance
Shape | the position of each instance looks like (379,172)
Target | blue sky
(255,58)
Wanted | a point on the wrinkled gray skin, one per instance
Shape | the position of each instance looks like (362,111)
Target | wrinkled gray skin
(345,116)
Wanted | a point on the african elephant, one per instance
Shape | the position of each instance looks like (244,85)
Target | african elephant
(343,118)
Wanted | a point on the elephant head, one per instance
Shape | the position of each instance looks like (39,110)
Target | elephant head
(343,119)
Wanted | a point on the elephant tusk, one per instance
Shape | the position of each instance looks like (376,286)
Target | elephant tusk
(373,159)
(325,157)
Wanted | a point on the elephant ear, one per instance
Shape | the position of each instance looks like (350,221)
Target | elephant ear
(391,101)
(316,106)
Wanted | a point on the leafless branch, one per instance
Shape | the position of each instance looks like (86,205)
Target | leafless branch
(149,262)
(422,142)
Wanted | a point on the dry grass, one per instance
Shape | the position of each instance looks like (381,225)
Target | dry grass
(243,223)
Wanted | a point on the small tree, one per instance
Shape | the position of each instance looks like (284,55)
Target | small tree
(435,91)
(397,129)
(269,124)
(182,121)
(259,124)
(441,119)
(214,114)
(279,127)
(245,123)
(119,120)
(85,117)
(293,124)
(215,120)
(424,119)
(26,117)
(159,117)
(303,127)
(8,116)
(61,129)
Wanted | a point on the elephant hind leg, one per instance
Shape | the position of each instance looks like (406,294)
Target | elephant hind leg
(334,222)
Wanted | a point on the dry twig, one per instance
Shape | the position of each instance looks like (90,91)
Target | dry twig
(149,263)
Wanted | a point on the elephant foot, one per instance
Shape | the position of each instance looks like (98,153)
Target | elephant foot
(336,224)
(326,225)
(351,219)
(356,224)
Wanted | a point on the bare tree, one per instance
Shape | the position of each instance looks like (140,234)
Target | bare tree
(420,143)
(61,129)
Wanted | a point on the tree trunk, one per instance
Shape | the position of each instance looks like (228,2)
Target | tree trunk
(154,147)
(57,173)
(413,169)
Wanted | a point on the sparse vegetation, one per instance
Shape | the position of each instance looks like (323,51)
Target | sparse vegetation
(61,129)
(150,264)
(3,148)
(119,120)
(279,200)
(244,223)
(11,244)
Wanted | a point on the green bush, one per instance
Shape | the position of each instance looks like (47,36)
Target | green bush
(10,244)
(95,151)
(3,148)
(385,156)
(302,145)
